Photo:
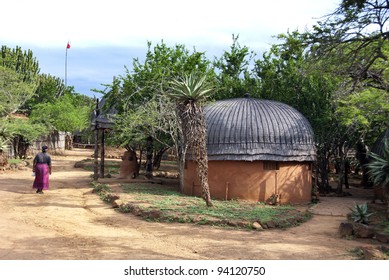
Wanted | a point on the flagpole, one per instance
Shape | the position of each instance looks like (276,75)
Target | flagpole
(66,67)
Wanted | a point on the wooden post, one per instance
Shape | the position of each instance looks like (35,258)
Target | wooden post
(96,152)
(149,158)
(102,155)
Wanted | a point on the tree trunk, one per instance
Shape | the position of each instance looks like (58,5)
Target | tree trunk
(361,155)
(149,158)
(158,158)
(340,169)
(181,155)
(196,134)
(322,166)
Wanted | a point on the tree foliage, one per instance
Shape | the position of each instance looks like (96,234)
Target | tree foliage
(22,62)
(367,111)
(14,92)
(138,95)
(69,113)
(354,39)
(233,67)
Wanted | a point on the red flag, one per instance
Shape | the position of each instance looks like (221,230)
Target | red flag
(68,46)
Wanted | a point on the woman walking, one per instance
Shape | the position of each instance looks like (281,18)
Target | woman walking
(42,168)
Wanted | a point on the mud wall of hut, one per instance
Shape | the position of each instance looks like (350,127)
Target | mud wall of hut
(254,181)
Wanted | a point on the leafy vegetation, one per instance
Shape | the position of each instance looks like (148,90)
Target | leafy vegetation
(360,213)
(168,204)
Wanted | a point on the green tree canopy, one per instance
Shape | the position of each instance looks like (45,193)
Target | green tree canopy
(233,67)
(14,92)
(354,39)
(69,113)
(138,95)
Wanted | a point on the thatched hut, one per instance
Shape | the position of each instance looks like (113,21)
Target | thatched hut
(258,150)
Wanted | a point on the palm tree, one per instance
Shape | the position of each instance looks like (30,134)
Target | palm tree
(378,169)
(189,92)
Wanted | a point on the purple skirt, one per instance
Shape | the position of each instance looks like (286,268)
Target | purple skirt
(41,176)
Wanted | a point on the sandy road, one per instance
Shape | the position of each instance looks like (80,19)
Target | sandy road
(70,222)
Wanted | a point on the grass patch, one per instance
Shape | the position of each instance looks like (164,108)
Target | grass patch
(15,161)
(171,205)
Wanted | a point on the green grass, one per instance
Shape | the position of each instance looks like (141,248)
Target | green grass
(14,161)
(170,202)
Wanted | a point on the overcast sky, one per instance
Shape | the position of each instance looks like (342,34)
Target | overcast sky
(106,35)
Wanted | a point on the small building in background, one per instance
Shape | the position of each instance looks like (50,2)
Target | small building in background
(258,150)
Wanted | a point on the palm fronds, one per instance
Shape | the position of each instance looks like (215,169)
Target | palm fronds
(189,88)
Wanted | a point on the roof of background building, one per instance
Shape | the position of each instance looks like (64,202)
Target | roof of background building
(105,117)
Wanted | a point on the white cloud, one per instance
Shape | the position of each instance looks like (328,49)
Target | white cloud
(45,26)
(125,23)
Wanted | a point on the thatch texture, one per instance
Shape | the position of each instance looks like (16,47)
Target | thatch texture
(104,119)
(251,129)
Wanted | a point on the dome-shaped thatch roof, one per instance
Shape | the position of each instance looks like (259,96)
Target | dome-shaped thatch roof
(252,129)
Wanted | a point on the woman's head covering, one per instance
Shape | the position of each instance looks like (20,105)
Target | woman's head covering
(44,148)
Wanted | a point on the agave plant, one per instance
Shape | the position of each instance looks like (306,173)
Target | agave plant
(379,166)
(360,213)
(3,144)
(378,169)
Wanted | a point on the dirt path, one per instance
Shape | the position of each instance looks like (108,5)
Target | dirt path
(70,222)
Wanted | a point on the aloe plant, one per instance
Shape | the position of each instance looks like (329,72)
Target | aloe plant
(360,213)
(379,171)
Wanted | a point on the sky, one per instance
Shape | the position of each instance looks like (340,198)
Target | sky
(105,36)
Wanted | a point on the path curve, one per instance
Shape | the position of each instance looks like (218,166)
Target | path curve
(70,222)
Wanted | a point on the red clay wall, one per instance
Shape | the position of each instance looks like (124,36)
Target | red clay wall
(249,181)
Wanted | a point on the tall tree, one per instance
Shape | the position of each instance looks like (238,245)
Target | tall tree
(14,92)
(49,89)
(355,39)
(286,74)
(22,62)
(189,92)
(138,96)
(234,78)
(74,114)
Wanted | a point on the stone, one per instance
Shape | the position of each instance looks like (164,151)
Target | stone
(345,229)
(370,253)
(270,224)
(154,214)
(116,203)
(243,224)
(382,237)
(264,225)
(232,223)
(112,197)
(363,231)
(257,226)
